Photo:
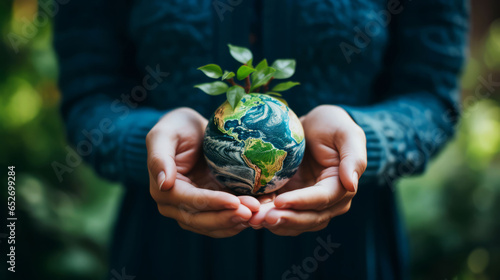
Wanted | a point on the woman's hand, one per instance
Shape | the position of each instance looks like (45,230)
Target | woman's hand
(326,180)
(180,182)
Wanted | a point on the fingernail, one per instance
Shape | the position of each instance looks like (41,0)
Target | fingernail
(161,179)
(237,219)
(284,206)
(355,179)
(244,225)
(231,206)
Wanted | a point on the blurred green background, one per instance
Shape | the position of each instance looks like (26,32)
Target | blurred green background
(452,212)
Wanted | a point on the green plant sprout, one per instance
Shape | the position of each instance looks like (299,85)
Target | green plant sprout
(256,78)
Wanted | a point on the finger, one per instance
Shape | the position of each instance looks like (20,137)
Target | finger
(320,227)
(304,220)
(223,233)
(323,195)
(251,202)
(189,197)
(257,218)
(161,154)
(208,220)
(295,220)
(293,232)
(353,160)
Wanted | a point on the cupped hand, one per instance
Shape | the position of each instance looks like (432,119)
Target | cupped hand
(180,182)
(326,180)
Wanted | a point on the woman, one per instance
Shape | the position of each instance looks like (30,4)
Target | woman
(378,98)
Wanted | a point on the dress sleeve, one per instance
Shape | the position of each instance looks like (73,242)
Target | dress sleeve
(420,106)
(105,124)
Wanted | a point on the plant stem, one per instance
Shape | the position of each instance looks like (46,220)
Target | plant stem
(232,82)
(266,86)
(247,84)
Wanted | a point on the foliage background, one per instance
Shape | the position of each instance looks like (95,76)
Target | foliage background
(63,229)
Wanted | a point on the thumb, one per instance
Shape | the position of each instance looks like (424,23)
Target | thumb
(352,160)
(161,159)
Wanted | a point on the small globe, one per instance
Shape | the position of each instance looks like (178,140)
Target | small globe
(255,148)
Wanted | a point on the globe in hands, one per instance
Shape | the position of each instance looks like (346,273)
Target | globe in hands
(255,148)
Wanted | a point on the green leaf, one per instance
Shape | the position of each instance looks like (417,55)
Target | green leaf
(285,68)
(234,95)
(243,72)
(285,86)
(274,93)
(261,77)
(227,75)
(242,55)
(249,63)
(215,88)
(211,70)
(262,65)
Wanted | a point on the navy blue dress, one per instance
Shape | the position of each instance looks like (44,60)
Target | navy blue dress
(393,65)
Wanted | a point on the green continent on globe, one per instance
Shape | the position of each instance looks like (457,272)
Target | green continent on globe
(264,158)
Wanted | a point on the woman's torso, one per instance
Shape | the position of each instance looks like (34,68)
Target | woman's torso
(339,46)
